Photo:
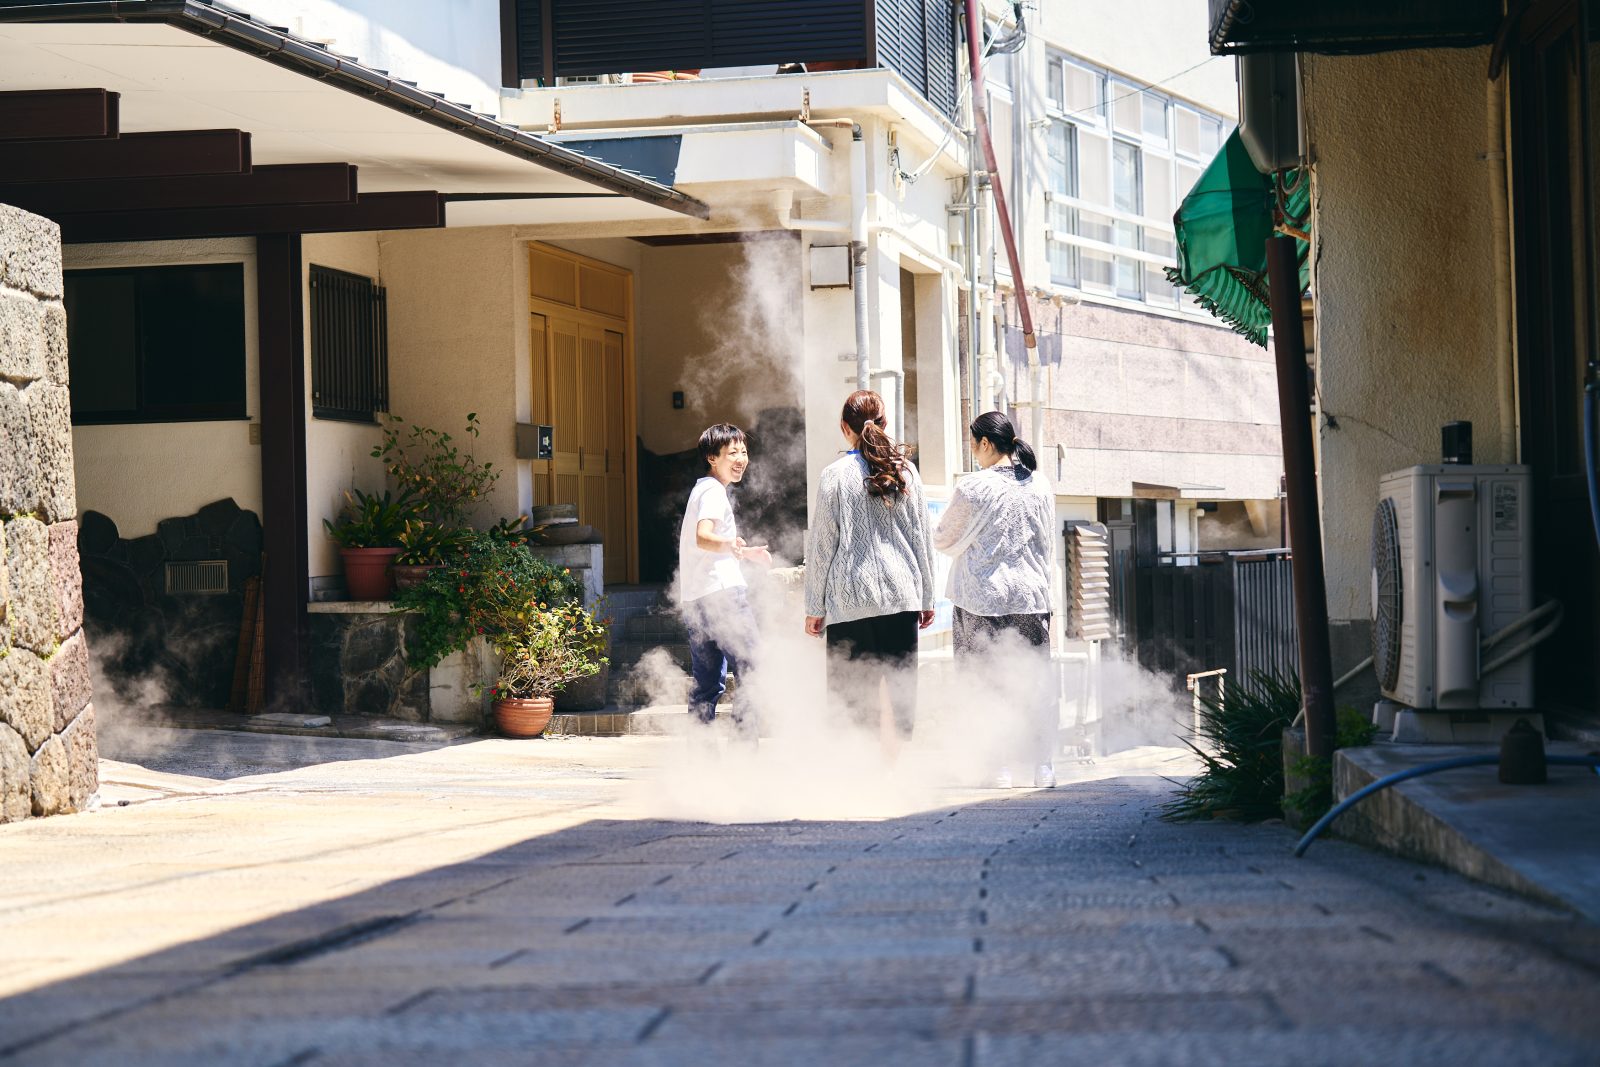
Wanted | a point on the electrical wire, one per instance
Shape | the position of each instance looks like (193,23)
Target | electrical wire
(999,44)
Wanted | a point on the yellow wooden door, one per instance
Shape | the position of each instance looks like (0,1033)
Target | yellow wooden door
(566,416)
(618,458)
(580,382)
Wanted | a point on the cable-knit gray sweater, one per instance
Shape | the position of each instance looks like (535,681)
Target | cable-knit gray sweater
(868,555)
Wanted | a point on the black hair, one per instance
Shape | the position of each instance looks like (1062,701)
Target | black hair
(998,430)
(713,439)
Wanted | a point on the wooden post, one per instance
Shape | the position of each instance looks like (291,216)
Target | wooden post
(1300,471)
(285,582)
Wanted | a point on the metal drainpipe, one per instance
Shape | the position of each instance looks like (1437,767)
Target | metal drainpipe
(858,251)
(899,429)
(980,116)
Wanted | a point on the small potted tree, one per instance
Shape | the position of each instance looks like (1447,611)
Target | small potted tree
(555,645)
(447,483)
(368,532)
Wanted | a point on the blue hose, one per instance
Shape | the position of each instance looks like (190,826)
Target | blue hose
(1417,772)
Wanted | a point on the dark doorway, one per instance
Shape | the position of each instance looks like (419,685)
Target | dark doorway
(1553,127)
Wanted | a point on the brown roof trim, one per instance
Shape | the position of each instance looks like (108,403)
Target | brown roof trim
(278,46)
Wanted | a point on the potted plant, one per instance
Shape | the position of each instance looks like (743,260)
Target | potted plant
(555,645)
(447,483)
(368,532)
(424,546)
(489,585)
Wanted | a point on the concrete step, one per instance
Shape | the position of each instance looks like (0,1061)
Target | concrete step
(655,627)
(625,652)
(623,719)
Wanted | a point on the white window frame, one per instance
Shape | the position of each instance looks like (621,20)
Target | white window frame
(1154,152)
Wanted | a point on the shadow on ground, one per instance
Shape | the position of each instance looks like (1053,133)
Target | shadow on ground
(1039,927)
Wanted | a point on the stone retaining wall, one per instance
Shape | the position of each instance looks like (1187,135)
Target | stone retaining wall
(48,759)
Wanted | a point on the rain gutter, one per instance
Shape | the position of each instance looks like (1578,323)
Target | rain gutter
(282,48)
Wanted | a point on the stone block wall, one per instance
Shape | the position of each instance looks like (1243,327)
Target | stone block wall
(48,759)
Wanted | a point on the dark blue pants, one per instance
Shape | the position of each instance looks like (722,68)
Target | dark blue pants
(722,637)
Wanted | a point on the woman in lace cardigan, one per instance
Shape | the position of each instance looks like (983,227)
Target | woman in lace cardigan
(869,572)
(998,528)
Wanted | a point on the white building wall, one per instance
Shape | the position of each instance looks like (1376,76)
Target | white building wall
(141,473)
(451,48)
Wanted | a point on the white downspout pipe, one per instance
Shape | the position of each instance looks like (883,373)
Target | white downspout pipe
(1500,227)
(858,251)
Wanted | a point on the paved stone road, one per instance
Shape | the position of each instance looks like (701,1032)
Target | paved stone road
(1000,928)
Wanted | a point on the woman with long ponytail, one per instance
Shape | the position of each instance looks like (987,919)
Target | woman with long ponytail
(998,527)
(869,570)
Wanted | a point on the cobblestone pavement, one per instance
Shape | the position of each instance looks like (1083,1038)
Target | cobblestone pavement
(1024,927)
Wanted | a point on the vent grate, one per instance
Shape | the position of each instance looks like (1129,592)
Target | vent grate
(201,577)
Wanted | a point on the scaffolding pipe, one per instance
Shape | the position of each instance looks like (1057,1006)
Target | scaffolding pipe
(981,120)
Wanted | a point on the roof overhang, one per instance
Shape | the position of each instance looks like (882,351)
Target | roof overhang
(179,65)
(1351,26)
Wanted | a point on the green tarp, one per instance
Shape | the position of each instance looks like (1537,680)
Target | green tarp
(1222,227)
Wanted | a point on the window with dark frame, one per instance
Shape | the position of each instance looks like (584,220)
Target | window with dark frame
(349,346)
(156,344)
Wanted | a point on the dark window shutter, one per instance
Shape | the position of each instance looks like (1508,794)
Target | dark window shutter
(530,40)
(754,32)
(349,346)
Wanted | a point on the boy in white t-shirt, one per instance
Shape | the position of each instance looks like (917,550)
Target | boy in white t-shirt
(711,586)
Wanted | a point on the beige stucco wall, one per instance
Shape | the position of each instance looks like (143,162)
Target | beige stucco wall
(338,454)
(1403,279)
(721,323)
(141,473)
(457,300)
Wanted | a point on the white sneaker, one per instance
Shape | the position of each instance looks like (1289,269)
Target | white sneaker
(1044,776)
(1002,778)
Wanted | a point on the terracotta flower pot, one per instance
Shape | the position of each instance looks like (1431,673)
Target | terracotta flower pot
(366,572)
(523,716)
(409,575)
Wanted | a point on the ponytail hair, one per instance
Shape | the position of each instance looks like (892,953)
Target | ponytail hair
(999,431)
(886,461)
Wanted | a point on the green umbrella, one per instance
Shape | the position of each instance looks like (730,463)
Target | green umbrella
(1222,228)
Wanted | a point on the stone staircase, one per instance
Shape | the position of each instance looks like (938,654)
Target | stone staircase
(642,620)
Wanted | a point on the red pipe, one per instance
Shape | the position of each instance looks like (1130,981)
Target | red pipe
(981,117)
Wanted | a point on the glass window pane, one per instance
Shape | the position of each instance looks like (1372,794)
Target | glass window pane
(1127,191)
(1186,131)
(102,342)
(1158,200)
(1127,109)
(1095,227)
(1063,159)
(1188,175)
(1210,138)
(1094,167)
(1130,278)
(1054,87)
(1155,116)
(191,325)
(1084,89)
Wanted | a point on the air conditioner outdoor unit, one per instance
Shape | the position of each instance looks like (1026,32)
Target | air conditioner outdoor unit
(1452,566)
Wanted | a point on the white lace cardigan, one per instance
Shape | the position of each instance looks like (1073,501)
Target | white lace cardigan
(998,527)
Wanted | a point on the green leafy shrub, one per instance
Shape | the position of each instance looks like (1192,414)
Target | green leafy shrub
(489,586)
(553,647)
(1243,754)
(1310,803)
(369,520)
(446,481)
